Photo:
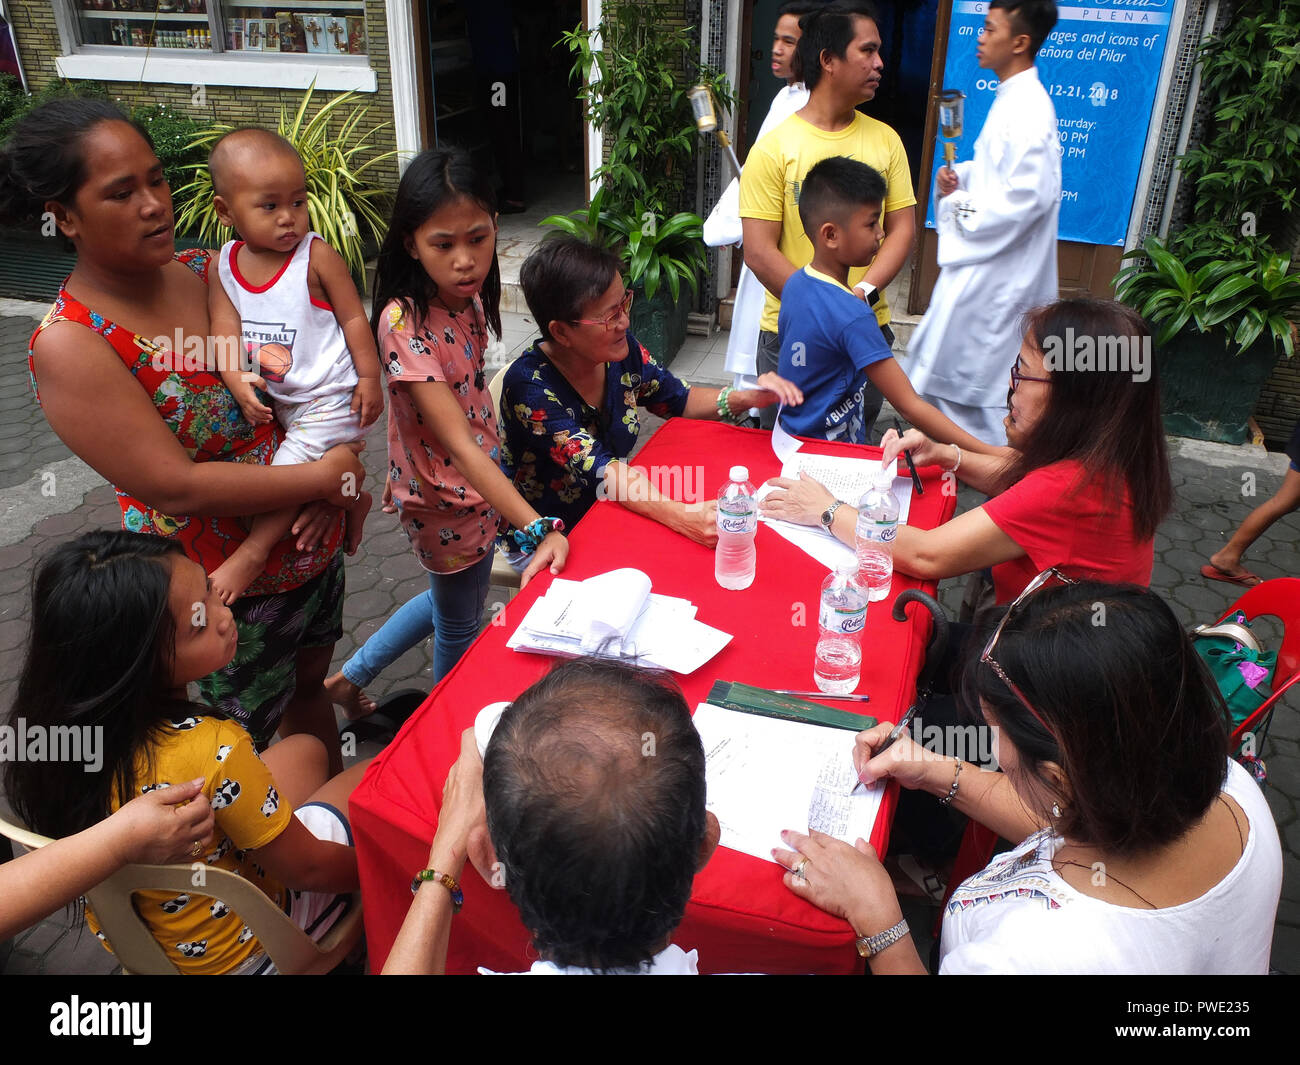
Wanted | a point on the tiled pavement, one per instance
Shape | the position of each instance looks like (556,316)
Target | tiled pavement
(1209,503)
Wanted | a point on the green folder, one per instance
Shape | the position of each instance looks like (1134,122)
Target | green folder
(750,700)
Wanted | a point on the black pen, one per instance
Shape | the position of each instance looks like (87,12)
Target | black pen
(911,466)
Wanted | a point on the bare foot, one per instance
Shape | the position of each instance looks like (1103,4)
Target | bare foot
(235,574)
(355,702)
(386,503)
(356,522)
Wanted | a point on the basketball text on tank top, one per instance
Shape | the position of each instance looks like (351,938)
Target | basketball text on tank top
(293,340)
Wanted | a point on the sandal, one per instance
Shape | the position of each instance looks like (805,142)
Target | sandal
(391,713)
(1245,578)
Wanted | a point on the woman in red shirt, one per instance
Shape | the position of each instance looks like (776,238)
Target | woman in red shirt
(1083,482)
(153,419)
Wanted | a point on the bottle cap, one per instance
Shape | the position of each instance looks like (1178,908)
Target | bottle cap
(739,473)
(885,475)
(847,569)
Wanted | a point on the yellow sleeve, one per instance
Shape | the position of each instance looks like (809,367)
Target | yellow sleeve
(900,192)
(249,809)
(762,183)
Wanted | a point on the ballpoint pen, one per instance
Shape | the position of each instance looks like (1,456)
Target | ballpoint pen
(911,466)
(822,695)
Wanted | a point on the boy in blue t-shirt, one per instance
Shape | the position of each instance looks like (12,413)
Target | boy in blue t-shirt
(831,344)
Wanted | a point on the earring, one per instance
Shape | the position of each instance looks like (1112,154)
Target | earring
(1056,811)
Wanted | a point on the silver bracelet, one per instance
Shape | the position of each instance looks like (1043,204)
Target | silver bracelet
(952,792)
(956,465)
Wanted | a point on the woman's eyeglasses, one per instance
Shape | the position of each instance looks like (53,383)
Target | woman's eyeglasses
(1017,377)
(987,657)
(611,322)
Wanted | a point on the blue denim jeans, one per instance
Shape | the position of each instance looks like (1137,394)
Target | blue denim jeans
(451,609)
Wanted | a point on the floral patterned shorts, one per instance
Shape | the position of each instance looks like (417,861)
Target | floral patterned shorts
(259,682)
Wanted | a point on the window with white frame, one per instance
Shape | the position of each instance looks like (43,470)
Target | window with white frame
(324,30)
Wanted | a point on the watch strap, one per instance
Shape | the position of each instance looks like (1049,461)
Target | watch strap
(828,515)
(870,946)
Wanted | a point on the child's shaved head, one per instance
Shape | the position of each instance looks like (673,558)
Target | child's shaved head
(240,150)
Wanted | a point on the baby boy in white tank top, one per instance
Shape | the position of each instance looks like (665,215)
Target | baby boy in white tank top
(289,297)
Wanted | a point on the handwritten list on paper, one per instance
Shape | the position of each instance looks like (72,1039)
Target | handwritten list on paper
(764,775)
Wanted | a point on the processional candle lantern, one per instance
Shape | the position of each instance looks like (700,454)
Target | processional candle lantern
(706,119)
(952,108)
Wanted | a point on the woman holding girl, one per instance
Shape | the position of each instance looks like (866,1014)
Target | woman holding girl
(437,295)
(158,423)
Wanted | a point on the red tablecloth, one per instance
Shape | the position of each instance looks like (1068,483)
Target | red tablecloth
(741,917)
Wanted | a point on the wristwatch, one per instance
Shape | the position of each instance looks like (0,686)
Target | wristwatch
(446,880)
(869,946)
(828,515)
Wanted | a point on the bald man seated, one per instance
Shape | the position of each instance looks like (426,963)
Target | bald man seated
(592,791)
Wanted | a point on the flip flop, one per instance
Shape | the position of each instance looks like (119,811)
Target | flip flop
(1246,579)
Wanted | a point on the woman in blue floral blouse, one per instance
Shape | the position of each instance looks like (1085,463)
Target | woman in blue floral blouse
(569,403)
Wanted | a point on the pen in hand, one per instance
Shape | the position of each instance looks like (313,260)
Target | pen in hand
(911,466)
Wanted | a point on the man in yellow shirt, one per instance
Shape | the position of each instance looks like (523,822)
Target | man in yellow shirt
(839,53)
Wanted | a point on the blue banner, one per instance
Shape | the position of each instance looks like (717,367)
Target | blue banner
(1100,66)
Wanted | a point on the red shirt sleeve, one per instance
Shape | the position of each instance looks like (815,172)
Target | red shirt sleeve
(1062,516)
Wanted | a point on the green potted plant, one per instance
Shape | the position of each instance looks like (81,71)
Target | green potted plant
(639,100)
(1219,292)
(346,204)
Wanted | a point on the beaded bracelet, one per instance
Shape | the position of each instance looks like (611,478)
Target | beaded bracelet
(952,792)
(529,538)
(725,412)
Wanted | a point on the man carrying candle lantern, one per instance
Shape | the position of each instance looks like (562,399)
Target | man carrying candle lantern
(996,218)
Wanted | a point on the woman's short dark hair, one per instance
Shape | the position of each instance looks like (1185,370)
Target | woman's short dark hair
(1135,722)
(43,162)
(594,786)
(561,276)
(1107,420)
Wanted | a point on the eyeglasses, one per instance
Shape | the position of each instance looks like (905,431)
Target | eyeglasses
(987,657)
(611,322)
(1017,377)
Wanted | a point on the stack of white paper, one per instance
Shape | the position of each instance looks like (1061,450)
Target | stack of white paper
(764,774)
(615,615)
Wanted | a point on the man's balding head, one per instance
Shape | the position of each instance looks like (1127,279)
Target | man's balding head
(237,155)
(594,785)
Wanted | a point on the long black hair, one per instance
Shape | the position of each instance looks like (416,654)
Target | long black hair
(43,161)
(1107,420)
(435,178)
(99,655)
(1124,707)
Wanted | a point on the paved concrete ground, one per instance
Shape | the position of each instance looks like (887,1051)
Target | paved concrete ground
(1209,503)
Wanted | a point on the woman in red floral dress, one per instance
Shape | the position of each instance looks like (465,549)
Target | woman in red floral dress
(150,417)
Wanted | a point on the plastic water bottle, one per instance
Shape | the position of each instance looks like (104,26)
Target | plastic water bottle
(877,527)
(843,613)
(736,557)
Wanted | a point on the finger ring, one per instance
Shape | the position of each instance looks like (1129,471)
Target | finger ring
(196,849)
(798,870)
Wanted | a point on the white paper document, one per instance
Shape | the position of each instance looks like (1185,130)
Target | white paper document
(847,479)
(764,775)
(615,615)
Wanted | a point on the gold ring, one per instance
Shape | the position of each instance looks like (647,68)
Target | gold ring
(197,849)
(798,870)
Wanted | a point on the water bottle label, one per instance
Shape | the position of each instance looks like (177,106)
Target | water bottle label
(887,531)
(733,523)
(845,621)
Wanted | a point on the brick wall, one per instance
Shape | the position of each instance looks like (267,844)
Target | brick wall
(38,45)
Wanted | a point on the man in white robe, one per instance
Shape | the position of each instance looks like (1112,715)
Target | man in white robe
(996,218)
(723,224)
